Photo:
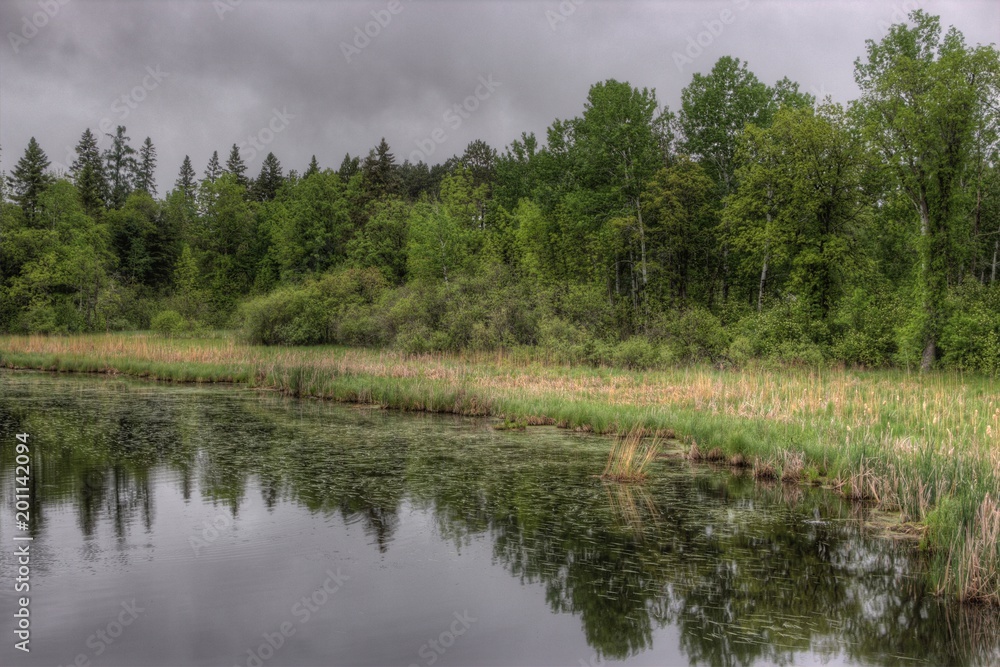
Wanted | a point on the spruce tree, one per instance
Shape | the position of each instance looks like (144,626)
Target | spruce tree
(213,170)
(89,175)
(269,180)
(313,167)
(29,179)
(348,167)
(380,172)
(236,166)
(186,179)
(121,167)
(144,177)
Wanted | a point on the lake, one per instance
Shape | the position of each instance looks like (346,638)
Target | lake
(194,525)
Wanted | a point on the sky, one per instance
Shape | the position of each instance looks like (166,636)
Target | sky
(334,77)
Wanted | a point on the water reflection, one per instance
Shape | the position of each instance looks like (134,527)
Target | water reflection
(745,573)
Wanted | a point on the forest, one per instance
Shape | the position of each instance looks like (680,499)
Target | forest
(753,223)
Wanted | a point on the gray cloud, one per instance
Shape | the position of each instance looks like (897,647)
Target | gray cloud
(229,65)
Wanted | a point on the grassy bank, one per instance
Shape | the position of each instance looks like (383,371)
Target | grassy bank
(925,446)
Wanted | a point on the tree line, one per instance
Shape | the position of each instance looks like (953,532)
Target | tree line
(754,221)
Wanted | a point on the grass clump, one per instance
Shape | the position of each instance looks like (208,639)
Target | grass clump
(629,457)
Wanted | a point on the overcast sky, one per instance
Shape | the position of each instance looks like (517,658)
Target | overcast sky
(304,78)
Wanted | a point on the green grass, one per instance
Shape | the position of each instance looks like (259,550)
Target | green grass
(925,446)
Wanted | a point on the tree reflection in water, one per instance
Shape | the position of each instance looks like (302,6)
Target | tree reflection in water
(744,571)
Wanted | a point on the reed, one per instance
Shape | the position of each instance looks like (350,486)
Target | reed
(630,456)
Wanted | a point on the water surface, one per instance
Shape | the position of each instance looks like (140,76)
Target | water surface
(244,528)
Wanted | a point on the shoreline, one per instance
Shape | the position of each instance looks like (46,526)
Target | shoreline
(922,485)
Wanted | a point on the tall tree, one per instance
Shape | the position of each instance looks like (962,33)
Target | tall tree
(348,167)
(799,205)
(145,175)
(186,179)
(313,167)
(617,142)
(121,167)
(681,220)
(922,96)
(715,107)
(214,169)
(29,179)
(89,175)
(236,166)
(265,186)
(379,172)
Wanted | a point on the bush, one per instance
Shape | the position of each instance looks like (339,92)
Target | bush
(169,323)
(778,334)
(970,338)
(866,324)
(693,334)
(636,353)
(337,307)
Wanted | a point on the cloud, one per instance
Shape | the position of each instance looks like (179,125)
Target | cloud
(232,63)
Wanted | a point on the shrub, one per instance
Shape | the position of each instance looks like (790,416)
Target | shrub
(169,323)
(693,334)
(970,338)
(636,353)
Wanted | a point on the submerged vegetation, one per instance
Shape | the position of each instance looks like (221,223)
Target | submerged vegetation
(923,446)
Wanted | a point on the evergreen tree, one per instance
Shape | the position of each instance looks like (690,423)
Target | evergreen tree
(89,175)
(213,170)
(266,185)
(379,172)
(186,179)
(348,167)
(145,178)
(29,179)
(236,166)
(313,167)
(121,167)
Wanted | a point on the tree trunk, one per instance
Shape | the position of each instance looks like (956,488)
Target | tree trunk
(930,351)
(996,248)
(642,240)
(763,279)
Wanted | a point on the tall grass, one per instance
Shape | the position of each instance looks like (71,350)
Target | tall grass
(630,456)
(927,446)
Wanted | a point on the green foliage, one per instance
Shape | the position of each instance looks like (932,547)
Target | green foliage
(169,323)
(693,335)
(970,337)
(778,334)
(635,353)
(753,224)
(334,308)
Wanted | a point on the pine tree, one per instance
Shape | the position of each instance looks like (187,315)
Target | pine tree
(313,167)
(213,170)
(266,185)
(186,179)
(29,179)
(144,177)
(89,175)
(380,172)
(121,167)
(348,167)
(236,166)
